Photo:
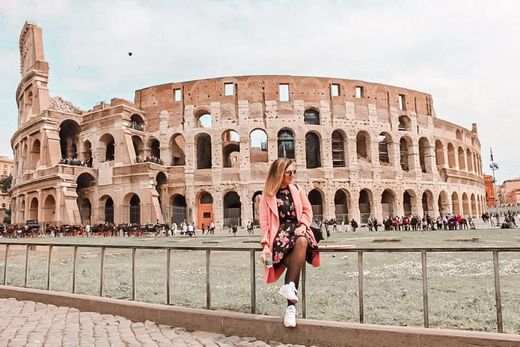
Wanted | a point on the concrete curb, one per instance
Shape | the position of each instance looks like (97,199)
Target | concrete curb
(308,332)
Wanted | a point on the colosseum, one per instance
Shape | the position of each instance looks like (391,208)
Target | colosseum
(199,150)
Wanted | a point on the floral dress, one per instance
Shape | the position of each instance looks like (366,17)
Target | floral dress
(286,238)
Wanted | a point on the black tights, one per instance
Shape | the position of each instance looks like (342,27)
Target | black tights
(294,262)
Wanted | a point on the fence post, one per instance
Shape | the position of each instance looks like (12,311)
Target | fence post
(133,274)
(49,268)
(168,261)
(208,286)
(304,293)
(74,269)
(101,271)
(361,290)
(253,281)
(5,264)
(498,297)
(26,265)
(426,317)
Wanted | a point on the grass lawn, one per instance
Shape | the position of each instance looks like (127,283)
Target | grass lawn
(461,286)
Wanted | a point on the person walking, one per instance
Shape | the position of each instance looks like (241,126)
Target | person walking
(287,241)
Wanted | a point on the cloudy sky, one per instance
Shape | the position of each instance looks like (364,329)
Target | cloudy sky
(465,53)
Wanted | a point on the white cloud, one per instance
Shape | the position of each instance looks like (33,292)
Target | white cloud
(462,52)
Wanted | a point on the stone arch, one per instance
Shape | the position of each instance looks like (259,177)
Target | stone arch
(365,204)
(230,149)
(439,155)
(155,148)
(425,155)
(443,204)
(133,202)
(204,152)
(455,203)
(178,150)
(204,209)
(338,148)
(316,201)
(462,160)
(203,119)
(35,154)
(138,144)
(427,203)
(311,116)
(86,153)
(388,203)
(458,134)
(474,209)
(178,209)
(49,210)
(406,153)
(256,206)
(312,150)
(341,205)
(385,148)
(286,144)
(363,146)
(451,156)
(69,133)
(232,209)
(137,122)
(161,186)
(469,160)
(409,202)
(405,124)
(258,146)
(84,182)
(465,205)
(106,204)
(33,209)
(109,145)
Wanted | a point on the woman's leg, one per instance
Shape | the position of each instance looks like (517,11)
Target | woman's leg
(294,262)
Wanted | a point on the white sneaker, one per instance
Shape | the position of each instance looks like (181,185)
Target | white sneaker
(290,317)
(289,292)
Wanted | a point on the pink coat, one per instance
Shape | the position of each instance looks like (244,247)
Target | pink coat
(270,222)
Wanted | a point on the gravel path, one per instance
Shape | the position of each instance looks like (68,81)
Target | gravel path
(28,323)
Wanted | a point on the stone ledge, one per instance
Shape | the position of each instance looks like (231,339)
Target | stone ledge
(308,332)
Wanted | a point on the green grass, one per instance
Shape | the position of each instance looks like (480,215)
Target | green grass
(461,285)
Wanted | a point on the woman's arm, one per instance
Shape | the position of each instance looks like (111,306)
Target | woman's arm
(264,221)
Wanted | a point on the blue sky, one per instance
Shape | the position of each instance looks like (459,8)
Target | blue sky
(464,53)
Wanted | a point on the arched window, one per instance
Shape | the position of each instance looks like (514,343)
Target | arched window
(230,149)
(49,210)
(137,122)
(311,116)
(363,145)
(365,204)
(204,120)
(108,142)
(87,153)
(338,149)
(408,202)
(427,203)
(385,148)
(35,155)
(108,204)
(258,149)
(404,124)
(442,203)
(203,151)
(424,155)
(204,209)
(462,159)
(439,155)
(232,209)
(388,203)
(469,159)
(451,156)
(341,206)
(178,209)
(285,144)
(69,132)
(155,149)
(458,135)
(135,210)
(316,201)
(138,144)
(455,203)
(405,147)
(177,147)
(312,150)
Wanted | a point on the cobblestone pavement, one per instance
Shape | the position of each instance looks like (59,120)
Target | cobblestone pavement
(28,323)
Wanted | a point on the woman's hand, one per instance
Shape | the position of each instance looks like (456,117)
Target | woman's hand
(266,254)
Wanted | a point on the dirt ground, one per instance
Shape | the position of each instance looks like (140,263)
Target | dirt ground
(461,286)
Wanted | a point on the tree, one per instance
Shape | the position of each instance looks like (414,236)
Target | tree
(5,183)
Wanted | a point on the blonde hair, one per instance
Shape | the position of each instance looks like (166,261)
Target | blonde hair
(275,176)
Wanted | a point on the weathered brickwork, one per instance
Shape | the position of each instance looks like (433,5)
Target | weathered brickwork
(360,149)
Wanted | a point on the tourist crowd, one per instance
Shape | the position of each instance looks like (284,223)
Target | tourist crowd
(76,162)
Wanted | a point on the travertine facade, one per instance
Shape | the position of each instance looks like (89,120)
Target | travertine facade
(360,149)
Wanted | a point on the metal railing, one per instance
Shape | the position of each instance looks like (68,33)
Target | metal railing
(252,265)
